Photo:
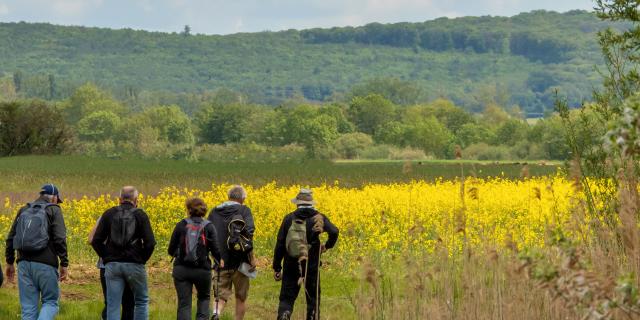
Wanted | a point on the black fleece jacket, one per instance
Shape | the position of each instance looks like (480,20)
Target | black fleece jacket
(57,248)
(143,238)
(177,243)
(220,217)
(313,238)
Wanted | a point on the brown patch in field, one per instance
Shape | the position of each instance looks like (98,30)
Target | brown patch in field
(74,296)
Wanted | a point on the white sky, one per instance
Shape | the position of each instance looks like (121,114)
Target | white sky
(231,16)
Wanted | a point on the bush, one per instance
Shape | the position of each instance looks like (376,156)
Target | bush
(379,151)
(351,145)
(32,127)
(483,151)
(98,126)
(407,154)
(250,152)
(537,152)
(388,152)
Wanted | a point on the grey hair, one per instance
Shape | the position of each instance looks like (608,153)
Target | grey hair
(129,193)
(237,192)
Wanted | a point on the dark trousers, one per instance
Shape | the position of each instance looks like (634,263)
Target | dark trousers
(128,304)
(184,279)
(290,288)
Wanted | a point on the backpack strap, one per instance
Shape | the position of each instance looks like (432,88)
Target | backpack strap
(235,219)
(46,205)
(202,223)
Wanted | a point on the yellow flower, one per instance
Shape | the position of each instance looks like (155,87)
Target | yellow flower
(378,217)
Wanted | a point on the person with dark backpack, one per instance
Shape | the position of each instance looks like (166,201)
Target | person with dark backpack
(128,305)
(39,235)
(125,241)
(298,244)
(235,227)
(193,241)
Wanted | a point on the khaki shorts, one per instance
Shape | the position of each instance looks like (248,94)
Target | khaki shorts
(229,279)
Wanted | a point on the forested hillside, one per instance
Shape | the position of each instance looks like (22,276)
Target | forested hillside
(519,60)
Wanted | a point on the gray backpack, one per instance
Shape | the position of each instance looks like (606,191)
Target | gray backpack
(32,228)
(195,242)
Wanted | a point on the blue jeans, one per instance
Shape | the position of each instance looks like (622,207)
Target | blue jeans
(117,274)
(38,281)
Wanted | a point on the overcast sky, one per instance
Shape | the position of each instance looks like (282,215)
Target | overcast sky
(231,16)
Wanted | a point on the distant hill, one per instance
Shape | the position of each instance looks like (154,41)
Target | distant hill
(517,60)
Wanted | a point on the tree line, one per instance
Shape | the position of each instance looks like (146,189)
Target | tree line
(371,124)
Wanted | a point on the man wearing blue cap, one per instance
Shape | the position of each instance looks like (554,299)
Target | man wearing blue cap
(39,235)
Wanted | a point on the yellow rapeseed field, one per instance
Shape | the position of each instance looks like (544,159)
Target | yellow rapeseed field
(383,218)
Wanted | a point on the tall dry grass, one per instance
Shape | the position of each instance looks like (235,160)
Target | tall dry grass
(588,270)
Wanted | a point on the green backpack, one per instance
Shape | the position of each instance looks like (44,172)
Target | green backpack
(296,241)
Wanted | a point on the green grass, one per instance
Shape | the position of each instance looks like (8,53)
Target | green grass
(78,176)
(81,298)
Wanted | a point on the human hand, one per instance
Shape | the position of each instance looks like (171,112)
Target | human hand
(277,276)
(11,272)
(64,273)
(323,249)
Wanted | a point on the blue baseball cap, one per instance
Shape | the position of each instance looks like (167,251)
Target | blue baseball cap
(51,189)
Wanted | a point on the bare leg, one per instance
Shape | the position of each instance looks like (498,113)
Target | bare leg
(220,308)
(241,308)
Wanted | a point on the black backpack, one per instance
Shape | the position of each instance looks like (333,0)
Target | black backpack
(195,242)
(32,228)
(123,227)
(238,240)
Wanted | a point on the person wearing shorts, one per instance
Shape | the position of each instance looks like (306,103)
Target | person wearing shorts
(227,280)
(232,282)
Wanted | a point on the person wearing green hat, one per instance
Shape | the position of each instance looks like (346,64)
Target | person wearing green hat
(39,235)
(299,246)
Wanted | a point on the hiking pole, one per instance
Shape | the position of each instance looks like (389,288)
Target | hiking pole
(316,313)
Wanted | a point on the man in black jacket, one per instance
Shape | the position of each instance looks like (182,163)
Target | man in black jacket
(125,242)
(307,269)
(228,278)
(37,269)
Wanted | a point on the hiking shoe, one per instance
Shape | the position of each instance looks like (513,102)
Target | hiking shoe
(215,317)
(285,315)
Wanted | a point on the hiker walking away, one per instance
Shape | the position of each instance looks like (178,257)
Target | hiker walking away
(234,225)
(127,295)
(192,241)
(39,235)
(125,242)
(299,245)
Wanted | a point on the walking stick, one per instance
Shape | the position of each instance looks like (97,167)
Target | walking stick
(316,313)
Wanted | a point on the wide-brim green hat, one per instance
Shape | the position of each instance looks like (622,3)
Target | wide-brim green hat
(304,197)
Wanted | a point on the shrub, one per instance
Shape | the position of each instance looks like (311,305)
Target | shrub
(379,151)
(483,151)
(351,145)
(32,127)
(249,152)
(407,154)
